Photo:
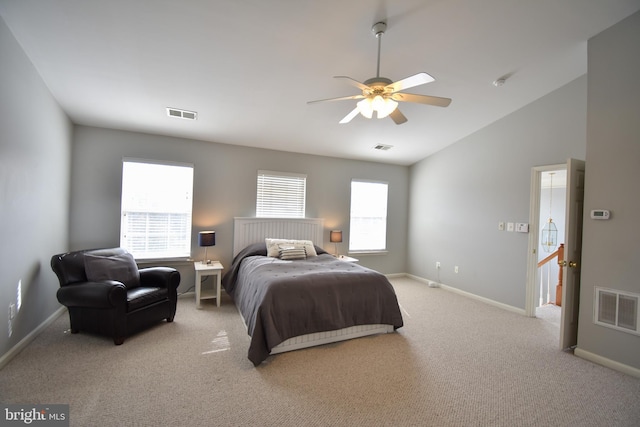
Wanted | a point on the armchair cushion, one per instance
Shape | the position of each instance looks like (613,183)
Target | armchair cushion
(106,294)
(120,267)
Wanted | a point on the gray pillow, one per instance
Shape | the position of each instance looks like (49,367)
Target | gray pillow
(122,268)
(292,252)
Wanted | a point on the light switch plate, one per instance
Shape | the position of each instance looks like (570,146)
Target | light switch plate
(509,226)
(522,227)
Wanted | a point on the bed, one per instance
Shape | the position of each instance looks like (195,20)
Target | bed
(289,304)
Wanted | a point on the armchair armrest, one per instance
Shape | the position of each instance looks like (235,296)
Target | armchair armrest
(107,294)
(165,277)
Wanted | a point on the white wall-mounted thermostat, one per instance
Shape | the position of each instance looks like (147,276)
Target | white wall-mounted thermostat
(600,214)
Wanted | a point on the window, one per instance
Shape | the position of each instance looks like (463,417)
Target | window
(156,209)
(281,195)
(368,230)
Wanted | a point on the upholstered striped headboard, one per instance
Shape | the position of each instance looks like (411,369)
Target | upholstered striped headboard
(253,230)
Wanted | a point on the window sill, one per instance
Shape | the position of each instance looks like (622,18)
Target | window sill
(365,253)
(165,261)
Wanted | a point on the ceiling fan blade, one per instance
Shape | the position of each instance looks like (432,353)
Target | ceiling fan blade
(353,82)
(337,99)
(409,82)
(398,117)
(350,116)
(421,99)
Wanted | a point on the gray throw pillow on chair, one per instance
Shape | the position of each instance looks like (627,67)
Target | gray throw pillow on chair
(122,268)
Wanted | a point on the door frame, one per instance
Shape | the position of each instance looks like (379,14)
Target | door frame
(534,232)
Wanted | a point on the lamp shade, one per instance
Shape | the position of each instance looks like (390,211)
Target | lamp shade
(335,236)
(207,238)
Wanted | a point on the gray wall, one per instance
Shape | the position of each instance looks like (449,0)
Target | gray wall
(35,155)
(458,196)
(224,187)
(611,249)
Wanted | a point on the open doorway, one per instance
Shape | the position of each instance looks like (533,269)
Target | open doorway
(551,232)
(572,236)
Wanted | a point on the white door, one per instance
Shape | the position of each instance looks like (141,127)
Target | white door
(572,254)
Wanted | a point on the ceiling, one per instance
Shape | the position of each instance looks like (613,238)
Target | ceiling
(248,67)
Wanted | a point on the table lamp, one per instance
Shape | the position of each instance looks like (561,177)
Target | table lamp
(206,239)
(336,237)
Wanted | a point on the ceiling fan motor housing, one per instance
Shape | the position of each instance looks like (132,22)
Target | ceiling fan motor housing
(376,86)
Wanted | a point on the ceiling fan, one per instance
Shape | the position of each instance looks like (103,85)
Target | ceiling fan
(381,95)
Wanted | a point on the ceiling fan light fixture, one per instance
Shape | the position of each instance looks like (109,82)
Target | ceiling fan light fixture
(377,103)
(365,107)
(388,106)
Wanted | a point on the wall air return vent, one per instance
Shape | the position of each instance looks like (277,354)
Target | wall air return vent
(181,114)
(617,310)
(382,147)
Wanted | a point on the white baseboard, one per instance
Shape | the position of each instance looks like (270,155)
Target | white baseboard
(600,360)
(470,295)
(6,358)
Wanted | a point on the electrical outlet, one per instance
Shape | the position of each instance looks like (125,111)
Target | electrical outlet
(455,269)
(437,264)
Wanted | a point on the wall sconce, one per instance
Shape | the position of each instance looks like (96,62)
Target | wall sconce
(206,239)
(335,237)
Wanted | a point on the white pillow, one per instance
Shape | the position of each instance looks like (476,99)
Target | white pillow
(273,246)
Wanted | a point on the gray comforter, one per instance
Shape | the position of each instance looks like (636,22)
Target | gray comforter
(282,299)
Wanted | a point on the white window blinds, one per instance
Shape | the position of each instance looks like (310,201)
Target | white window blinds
(281,195)
(156,209)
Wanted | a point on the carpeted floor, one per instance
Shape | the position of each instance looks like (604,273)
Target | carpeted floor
(456,362)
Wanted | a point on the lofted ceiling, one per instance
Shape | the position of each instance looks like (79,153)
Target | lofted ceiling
(248,67)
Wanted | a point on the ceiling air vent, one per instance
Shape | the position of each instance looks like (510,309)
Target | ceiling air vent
(382,147)
(181,114)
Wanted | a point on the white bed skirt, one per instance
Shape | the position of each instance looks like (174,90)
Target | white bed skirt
(320,338)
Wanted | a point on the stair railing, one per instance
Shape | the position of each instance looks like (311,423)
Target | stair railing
(559,254)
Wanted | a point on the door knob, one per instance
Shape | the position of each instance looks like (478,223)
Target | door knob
(573,264)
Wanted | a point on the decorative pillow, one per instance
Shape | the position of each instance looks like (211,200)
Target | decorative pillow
(292,252)
(273,249)
(122,268)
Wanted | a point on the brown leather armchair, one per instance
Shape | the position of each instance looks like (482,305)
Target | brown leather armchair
(107,294)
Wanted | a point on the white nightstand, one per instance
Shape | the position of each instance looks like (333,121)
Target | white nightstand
(215,268)
(347,258)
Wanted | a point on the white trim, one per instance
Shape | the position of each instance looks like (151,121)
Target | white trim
(612,364)
(470,295)
(483,299)
(24,342)
(157,162)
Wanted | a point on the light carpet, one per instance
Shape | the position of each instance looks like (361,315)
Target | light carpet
(456,362)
